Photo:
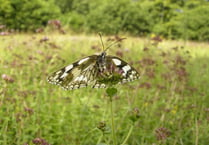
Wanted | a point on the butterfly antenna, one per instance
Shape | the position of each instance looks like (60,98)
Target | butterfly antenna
(114,43)
(100,35)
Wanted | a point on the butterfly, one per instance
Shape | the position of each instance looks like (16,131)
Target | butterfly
(97,71)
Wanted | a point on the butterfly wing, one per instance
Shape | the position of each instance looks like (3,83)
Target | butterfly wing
(87,72)
(76,75)
(117,71)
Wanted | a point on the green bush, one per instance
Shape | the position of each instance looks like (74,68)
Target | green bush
(196,23)
(27,15)
(189,24)
(6,11)
(117,16)
(75,21)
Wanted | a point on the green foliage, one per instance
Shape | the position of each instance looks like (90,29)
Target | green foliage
(171,18)
(196,24)
(115,16)
(5,10)
(65,5)
(111,91)
(28,15)
(75,21)
(189,24)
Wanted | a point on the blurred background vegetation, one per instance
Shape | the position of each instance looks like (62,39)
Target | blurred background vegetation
(173,19)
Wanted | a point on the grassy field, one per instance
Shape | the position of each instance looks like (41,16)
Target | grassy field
(168,105)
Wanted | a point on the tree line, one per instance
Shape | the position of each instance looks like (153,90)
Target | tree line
(173,19)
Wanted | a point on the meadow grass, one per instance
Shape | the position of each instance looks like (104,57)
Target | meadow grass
(168,105)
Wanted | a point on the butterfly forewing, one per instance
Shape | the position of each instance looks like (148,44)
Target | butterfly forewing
(76,75)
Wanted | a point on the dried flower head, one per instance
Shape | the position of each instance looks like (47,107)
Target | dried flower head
(7,78)
(103,127)
(40,141)
(134,114)
(162,133)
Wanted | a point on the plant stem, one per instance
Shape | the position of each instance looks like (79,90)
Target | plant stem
(83,140)
(112,121)
(128,135)
(100,138)
(196,132)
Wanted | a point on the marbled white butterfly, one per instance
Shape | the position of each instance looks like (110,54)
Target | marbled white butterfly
(97,71)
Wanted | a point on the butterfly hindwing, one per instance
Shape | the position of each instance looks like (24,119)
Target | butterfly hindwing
(118,71)
(127,72)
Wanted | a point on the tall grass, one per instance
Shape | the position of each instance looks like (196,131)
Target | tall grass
(168,105)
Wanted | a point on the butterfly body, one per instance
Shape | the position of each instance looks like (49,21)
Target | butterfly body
(97,71)
(101,62)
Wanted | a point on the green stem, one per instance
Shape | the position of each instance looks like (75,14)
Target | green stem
(100,138)
(128,135)
(112,121)
(83,140)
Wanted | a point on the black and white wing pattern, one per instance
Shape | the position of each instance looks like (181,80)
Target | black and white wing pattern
(97,71)
(117,71)
(76,75)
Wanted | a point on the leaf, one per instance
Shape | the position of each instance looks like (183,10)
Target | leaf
(111,91)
